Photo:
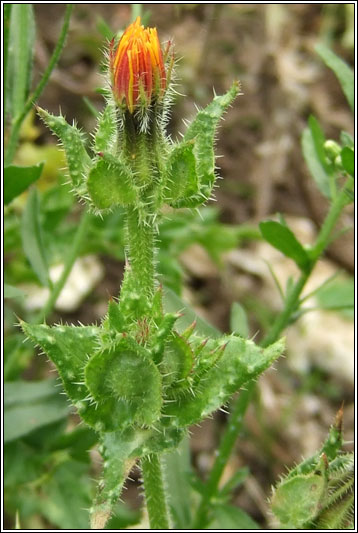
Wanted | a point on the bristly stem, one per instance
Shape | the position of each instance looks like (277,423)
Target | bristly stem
(140,248)
(17,122)
(284,318)
(157,505)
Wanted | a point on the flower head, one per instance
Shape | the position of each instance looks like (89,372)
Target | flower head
(137,67)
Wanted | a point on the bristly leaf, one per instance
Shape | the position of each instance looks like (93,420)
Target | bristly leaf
(72,140)
(239,361)
(177,362)
(202,131)
(181,178)
(318,493)
(105,138)
(69,347)
(116,449)
(110,183)
(125,383)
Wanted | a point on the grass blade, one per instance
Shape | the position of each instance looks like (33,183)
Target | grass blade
(32,238)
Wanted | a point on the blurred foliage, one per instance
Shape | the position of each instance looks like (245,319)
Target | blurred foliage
(48,469)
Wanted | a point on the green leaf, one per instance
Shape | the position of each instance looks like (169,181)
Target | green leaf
(17,356)
(181,180)
(126,384)
(202,131)
(282,238)
(116,449)
(69,348)
(123,517)
(12,292)
(110,183)
(7,19)
(78,161)
(115,317)
(312,142)
(347,156)
(103,28)
(22,464)
(105,139)
(230,517)
(32,238)
(343,72)
(347,139)
(319,140)
(338,294)
(23,392)
(177,475)
(17,180)
(20,51)
(230,362)
(177,361)
(31,405)
(235,481)
(296,501)
(238,320)
(66,496)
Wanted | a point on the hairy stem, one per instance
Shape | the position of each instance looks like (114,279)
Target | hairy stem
(154,492)
(17,122)
(140,247)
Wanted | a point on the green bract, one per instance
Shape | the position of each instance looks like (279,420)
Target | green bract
(318,493)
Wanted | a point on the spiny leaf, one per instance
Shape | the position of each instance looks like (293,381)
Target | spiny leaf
(69,347)
(177,361)
(296,501)
(106,130)
(160,336)
(110,183)
(181,180)
(78,160)
(240,362)
(126,384)
(116,449)
(202,131)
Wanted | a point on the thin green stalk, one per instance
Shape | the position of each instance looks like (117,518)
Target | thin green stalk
(157,505)
(227,443)
(69,262)
(324,236)
(291,305)
(17,122)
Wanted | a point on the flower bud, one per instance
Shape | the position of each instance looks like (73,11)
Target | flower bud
(137,68)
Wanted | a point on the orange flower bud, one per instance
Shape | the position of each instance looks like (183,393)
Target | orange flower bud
(137,67)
